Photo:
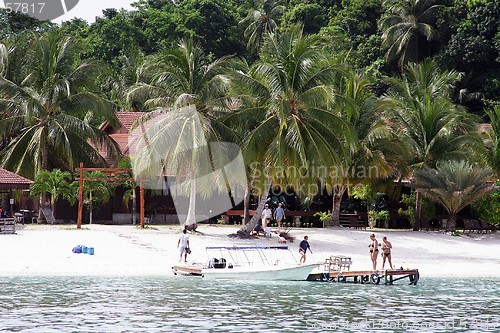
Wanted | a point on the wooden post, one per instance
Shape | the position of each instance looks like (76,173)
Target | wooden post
(80,199)
(141,209)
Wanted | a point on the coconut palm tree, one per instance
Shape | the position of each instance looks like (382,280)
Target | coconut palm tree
(454,185)
(187,95)
(419,111)
(376,152)
(261,20)
(52,110)
(292,133)
(404,29)
(489,149)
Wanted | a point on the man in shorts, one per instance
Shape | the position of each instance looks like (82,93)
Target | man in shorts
(183,245)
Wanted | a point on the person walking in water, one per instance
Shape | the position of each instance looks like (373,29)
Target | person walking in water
(386,252)
(373,251)
(279,215)
(183,245)
(304,245)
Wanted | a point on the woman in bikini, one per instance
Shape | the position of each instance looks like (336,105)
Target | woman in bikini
(386,252)
(373,251)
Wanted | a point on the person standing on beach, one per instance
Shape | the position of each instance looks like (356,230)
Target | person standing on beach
(386,252)
(183,245)
(373,251)
(279,215)
(266,216)
(304,245)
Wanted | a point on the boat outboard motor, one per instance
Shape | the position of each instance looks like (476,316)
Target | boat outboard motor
(213,263)
(222,263)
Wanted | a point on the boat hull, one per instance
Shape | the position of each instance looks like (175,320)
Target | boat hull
(266,273)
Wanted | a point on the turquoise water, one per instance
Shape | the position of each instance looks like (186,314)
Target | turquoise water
(191,304)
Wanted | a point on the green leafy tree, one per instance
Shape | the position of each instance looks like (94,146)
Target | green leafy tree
(488,208)
(406,27)
(454,185)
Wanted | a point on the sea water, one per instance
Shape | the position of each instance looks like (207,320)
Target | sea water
(194,304)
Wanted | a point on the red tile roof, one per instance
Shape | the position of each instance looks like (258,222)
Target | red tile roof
(125,120)
(10,181)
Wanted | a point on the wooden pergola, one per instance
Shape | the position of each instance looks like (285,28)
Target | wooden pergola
(111,175)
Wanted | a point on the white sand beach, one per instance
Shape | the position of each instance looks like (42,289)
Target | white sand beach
(127,250)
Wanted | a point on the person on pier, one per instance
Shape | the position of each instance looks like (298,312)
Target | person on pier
(386,252)
(373,251)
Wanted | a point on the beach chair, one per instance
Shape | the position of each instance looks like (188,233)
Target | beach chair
(355,223)
(471,225)
(485,226)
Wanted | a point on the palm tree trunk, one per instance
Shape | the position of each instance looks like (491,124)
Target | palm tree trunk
(452,222)
(246,204)
(90,208)
(337,193)
(134,209)
(191,215)
(418,210)
(247,229)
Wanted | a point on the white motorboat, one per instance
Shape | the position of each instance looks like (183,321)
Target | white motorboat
(256,263)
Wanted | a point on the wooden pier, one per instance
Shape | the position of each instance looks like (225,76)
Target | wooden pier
(367,277)
(337,269)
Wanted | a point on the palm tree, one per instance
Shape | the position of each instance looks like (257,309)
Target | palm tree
(489,149)
(187,94)
(291,133)
(94,192)
(261,20)
(376,152)
(419,111)
(55,183)
(454,185)
(51,110)
(407,23)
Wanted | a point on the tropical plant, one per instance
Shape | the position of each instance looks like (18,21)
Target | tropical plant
(51,110)
(56,183)
(454,185)
(419,111)
(407,24)
(187,97)
(287,117)
(374,217)
(260,21)
(324,217)
(375,153)
(488,208)
(95,192)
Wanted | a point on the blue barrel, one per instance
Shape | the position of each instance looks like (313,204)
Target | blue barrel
(90,251)
(84,249)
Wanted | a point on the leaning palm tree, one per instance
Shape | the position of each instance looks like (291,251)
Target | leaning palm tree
(292,133)
(187,95)
(454,185)
(489,148)
(260,21)
(405,27)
